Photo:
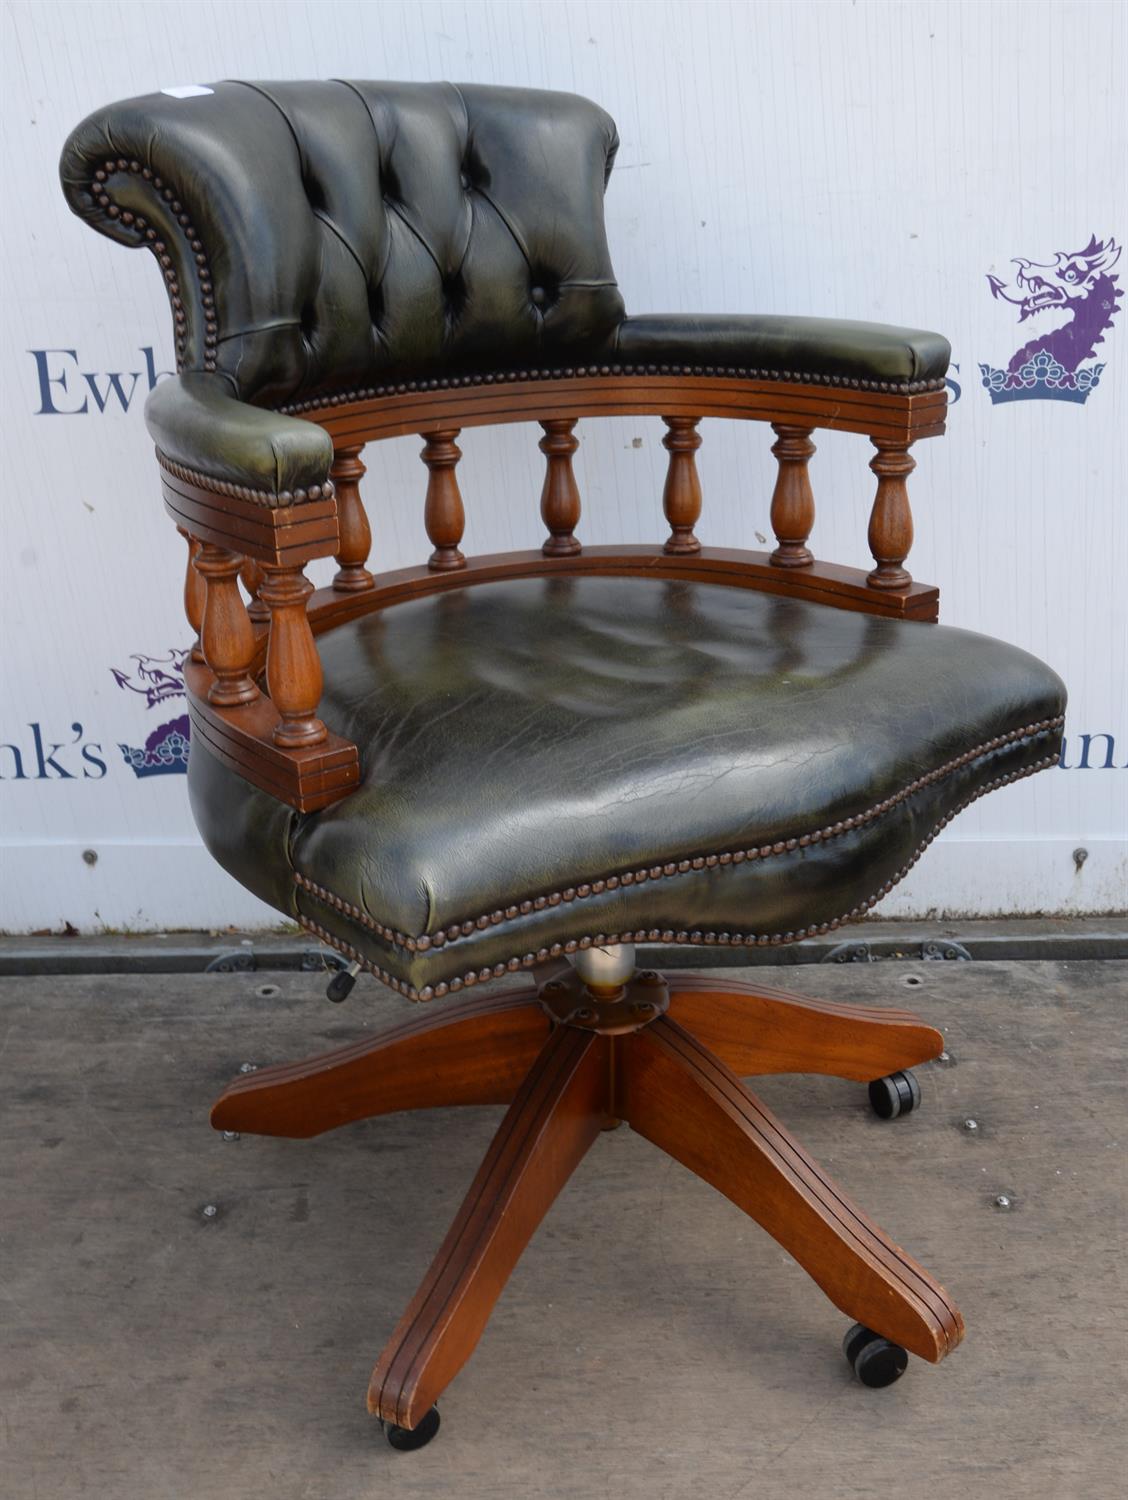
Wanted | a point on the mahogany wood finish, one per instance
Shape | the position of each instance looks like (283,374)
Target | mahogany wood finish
(560,497)
(891,520)
(793,502)
(889,415)
(293,667)
(227,636)
(308,778)
(569,1065)
(251,576)
(352,575)
(278,534)
(195,593)
(681,496)
(681,1097)
(755,1030)
(476,1050)
(443,515)
(822,583)
(555,1117)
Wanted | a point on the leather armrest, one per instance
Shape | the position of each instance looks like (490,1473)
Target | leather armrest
(195,421)
(791,347)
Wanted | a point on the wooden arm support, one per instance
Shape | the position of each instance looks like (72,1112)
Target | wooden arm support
(280,744)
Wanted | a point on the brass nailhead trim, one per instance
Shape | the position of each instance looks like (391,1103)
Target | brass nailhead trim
(242,491)
(99,191)
(460,930)
(655,934)
(727,372)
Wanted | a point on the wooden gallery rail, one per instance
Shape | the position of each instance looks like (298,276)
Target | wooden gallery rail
(275,739)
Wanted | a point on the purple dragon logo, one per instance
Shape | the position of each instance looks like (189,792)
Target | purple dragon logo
(157,679)
(1079,289)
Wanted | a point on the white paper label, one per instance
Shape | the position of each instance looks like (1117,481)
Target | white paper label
(187,91)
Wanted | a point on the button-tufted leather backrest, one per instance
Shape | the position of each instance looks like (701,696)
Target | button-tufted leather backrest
(320,236)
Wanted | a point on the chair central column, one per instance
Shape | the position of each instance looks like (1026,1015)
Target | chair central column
(604,993)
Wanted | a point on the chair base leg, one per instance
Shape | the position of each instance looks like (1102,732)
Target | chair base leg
(665,1057)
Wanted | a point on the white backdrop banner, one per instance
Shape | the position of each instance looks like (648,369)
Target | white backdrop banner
(948,166)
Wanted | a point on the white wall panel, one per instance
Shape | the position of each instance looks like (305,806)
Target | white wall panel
(857,160)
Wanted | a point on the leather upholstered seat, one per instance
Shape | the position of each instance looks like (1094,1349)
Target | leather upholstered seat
(549,761)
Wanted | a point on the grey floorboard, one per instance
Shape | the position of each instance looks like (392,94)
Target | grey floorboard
(653,1345)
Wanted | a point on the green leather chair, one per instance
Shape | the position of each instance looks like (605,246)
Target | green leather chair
(526,764)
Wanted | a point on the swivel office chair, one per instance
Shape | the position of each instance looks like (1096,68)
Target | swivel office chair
(528,763)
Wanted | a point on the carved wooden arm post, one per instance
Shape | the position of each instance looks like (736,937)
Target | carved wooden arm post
(560,497)
(232,534)
(352,575)
(227,637)
(891,521)
(293,667)
(793,502)
(681,496)
(194,591)
(443,515)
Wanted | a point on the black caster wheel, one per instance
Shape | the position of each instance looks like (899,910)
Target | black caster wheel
(407,1439)
(899,1094)
(875,1361)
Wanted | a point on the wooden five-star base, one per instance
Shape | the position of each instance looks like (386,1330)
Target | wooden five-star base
(664,1054)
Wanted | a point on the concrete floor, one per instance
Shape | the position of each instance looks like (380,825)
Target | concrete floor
(653,1345)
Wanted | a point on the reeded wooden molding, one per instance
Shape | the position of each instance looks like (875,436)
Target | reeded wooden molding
(555,1117)
(227,636)
(293,667)
(352,575)
(195,592)
(683,1099)
(609,371)
(251,575)
(560,496)
(443,516)
(681,494)
(827,583)
(530,396)
(891,520)
(793,501)
(243,739)
(269,534)
(476,1050)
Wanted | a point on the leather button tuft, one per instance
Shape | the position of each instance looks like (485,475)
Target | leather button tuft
(539,296)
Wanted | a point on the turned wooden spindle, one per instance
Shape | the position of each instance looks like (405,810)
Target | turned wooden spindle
(227,636)
(891,520)
(681,495)
(195,591)
(293,667)
(352,577)
(793,503)
(560,497)
(443,515)
(252,576)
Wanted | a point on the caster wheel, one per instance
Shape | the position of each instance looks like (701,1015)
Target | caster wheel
(407,1439)
(899,1094)
(875,1361)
